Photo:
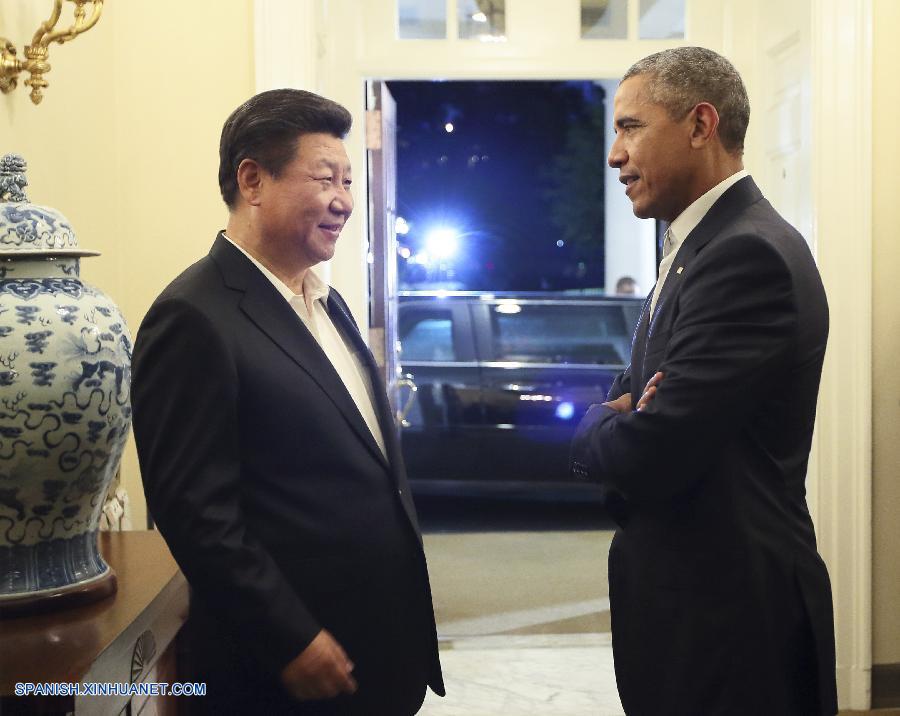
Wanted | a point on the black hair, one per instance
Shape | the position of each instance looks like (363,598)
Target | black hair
(266,128)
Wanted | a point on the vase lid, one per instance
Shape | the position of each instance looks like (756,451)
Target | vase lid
(28,229)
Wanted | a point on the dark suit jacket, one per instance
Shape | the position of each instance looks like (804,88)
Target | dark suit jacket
(272,494)
(720,601)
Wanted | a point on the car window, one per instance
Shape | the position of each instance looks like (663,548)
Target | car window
(426,335)
(582,334)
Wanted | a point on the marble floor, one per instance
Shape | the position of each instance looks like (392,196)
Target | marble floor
(519,675)
(523,619)
(533,636)
(536,675)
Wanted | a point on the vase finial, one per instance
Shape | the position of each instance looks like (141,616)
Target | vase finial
(12,178)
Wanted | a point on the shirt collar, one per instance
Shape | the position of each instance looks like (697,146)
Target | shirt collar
(688,219)
(314,288)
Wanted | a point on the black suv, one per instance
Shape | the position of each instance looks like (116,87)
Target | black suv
(496,383)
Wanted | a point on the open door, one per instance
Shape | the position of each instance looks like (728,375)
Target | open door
(381,124)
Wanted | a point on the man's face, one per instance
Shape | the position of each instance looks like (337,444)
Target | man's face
(305,208)
(652,153)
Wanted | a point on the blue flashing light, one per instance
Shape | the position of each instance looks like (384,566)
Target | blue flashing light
(565,410)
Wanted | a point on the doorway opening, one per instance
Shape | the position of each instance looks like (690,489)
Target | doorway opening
(508,271)
(497,237)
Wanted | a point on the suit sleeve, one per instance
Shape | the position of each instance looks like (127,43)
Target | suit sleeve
(734,331)
(621,385)
(185,394)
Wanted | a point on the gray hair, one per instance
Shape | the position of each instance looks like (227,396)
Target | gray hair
(680,78)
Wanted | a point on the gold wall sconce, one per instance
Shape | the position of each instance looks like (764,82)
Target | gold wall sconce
(35,62)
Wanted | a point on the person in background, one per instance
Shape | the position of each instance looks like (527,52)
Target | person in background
(720,602)
(626,286)
(267,447)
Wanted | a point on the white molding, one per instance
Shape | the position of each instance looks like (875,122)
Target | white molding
(842,165)
(285,44)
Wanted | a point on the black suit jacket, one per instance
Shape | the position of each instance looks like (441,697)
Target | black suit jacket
(271,492)
(720,601)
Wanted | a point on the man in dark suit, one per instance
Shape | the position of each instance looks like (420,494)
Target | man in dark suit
(720,602)
(267,447)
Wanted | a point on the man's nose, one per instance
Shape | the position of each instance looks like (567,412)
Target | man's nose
(617,155)
(342,202)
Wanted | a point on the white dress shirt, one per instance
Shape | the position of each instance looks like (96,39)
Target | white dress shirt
(685,223)
(311,308)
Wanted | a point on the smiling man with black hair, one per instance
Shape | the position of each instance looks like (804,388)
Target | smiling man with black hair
(267,446)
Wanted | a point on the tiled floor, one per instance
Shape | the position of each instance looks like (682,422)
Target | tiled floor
(536,675)
(543,674)
(532,637)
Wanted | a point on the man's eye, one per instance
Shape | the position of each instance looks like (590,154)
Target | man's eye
(328,179)
(347,183)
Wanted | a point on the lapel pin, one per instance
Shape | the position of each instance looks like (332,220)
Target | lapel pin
(680,269)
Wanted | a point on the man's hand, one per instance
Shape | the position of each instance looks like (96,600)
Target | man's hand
(321,671)
(650,390)
(622,404)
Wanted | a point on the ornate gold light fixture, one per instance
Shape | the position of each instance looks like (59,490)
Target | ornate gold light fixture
(35,61)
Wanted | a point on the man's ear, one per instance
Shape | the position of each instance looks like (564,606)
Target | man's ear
(249,179)
(705,120)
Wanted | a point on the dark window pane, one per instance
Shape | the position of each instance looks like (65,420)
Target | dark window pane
(427,336)
(562,334)
(468,221)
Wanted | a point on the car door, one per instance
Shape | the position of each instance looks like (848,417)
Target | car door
(441,431)
(543,362)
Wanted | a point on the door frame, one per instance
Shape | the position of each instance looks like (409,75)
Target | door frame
(381,129)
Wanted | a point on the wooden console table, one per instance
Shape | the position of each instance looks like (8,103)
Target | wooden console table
(126,638)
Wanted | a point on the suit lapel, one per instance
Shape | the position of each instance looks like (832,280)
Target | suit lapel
(639,349)
(734,201)
(737,199)
(342,318)
(274,317)
(340,314)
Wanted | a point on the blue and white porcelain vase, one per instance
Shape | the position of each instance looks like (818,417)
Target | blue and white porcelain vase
(65,370)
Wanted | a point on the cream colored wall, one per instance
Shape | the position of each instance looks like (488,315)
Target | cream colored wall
(125,142)
(886,333)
